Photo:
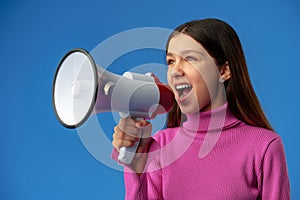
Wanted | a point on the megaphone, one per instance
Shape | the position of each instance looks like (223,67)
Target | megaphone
(81,89)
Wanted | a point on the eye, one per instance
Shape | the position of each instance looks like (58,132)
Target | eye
(190,58)
(170,61)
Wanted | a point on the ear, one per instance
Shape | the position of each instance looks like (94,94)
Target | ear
(225,73)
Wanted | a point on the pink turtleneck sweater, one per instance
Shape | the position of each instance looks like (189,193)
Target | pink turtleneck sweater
(213,156)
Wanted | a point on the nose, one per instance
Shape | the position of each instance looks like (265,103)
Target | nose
(176,71)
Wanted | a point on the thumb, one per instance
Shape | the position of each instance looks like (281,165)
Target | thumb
(145,127)
(142,123)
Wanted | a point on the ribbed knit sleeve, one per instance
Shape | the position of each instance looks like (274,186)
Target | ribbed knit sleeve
(274,181)
(135,186)
(149,185)
(146,187)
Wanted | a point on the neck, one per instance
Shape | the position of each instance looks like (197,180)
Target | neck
(218,101)
(211,120)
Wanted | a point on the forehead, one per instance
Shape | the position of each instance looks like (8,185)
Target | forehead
(182,42)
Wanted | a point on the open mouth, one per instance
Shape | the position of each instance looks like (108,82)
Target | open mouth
(183,90)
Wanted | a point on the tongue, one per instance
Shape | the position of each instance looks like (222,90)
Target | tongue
(185,92)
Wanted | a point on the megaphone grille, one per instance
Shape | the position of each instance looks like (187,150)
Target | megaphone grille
(75,88)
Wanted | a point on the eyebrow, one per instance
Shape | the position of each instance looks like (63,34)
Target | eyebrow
(184,52)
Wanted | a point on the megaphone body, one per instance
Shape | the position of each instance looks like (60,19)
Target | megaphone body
(81,88)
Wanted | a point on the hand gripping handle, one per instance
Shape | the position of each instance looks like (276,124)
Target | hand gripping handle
(126,154)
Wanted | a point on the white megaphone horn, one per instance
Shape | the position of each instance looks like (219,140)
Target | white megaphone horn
(81,88)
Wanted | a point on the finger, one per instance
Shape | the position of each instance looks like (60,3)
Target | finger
(122,143)
(127,125)
(124,136)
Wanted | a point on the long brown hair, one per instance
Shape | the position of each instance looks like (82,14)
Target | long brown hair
(223,44)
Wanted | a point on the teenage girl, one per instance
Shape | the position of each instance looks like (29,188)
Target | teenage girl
(218,144)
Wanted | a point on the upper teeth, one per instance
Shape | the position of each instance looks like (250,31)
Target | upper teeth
(183,86)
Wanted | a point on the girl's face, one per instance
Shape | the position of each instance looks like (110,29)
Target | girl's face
(193,75)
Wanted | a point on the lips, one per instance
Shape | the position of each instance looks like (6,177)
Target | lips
(183,90)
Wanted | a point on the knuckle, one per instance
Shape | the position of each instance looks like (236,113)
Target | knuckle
(116,129)
(120,135)
(114,143)
(129,143)
(119,143)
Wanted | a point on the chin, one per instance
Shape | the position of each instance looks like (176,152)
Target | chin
(189,110)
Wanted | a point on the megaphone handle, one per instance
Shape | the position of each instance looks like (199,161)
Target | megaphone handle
(126,154)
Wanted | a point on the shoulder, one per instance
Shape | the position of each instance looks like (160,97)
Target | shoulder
(262,141)
(258,134)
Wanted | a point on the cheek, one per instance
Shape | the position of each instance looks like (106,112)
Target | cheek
(208,76)
(168,76)
(206,83)
(202,92)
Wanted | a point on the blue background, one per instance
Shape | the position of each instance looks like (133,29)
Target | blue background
(40,159)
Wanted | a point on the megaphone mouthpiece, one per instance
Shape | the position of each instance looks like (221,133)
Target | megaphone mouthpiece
(166,98)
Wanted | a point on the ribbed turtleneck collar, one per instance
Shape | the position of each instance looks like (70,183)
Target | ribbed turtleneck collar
(210,121)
